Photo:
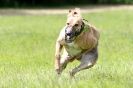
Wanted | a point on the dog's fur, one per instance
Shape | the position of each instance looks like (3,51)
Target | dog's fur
(82,47)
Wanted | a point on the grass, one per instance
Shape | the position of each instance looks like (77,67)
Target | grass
(27,52)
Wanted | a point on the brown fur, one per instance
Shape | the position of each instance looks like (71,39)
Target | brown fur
(88,40)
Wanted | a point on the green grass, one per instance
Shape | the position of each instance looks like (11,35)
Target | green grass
(27,45)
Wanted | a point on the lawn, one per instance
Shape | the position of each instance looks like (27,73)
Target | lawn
(27,45)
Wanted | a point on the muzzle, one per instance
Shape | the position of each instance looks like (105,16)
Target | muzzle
(71,34)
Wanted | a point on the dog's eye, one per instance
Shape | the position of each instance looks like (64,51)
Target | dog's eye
(67,23)
(76,25)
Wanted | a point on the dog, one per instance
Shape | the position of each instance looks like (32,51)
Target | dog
(79,41)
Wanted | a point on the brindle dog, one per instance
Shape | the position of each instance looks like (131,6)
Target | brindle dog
(79,40)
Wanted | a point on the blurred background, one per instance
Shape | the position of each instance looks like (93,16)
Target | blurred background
(45,3)
(28,32)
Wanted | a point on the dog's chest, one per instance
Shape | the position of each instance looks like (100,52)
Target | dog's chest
(72,49)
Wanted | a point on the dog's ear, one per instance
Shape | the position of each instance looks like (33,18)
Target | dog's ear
(76,11)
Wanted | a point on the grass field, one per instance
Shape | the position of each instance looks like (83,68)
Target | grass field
(27,52)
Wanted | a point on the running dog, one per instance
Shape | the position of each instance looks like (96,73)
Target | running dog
(79,40)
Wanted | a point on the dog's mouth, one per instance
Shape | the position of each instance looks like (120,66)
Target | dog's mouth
(68,39)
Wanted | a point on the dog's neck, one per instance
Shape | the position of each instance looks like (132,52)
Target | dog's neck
(84,28)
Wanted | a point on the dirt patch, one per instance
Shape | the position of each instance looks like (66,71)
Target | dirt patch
(85,9)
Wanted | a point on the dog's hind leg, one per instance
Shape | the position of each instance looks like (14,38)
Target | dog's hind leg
(88,59)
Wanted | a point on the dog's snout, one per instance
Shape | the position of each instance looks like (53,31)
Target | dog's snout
(68,34)
(68,31)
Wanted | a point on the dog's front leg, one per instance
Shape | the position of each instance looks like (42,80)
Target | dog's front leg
(57,57)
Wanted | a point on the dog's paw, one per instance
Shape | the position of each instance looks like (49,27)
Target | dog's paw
(58,71)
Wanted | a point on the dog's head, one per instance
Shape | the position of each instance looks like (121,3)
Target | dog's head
(74,25)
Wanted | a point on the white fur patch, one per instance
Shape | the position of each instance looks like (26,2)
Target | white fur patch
(73,49)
